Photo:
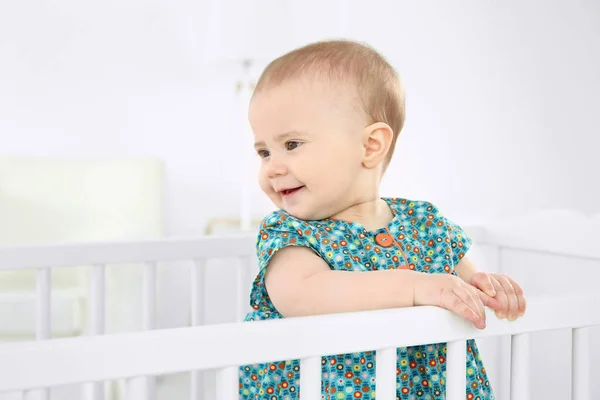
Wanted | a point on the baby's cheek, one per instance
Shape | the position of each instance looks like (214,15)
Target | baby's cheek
(267,189)
(263,182)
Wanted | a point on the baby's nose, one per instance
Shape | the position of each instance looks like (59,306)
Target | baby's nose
(276,168)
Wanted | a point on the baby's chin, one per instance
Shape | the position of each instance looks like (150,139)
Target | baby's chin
(305,214)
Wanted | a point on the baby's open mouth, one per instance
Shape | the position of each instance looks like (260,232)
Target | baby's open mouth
(288,192)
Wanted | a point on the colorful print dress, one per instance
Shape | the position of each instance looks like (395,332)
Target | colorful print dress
(418,238)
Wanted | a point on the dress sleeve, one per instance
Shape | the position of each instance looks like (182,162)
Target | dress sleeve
(459,240)
(277,231)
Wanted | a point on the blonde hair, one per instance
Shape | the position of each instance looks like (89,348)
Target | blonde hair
(377,84)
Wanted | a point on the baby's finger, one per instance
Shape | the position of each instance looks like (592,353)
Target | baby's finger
(520,296)
(488,301)
(482,281)
(467,298)
(476,295)
(513,304)
(502,308)
(453,302)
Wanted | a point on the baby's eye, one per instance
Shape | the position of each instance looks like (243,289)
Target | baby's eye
(292,145)
(263,153)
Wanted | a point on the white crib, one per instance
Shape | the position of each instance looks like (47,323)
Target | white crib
(557,274)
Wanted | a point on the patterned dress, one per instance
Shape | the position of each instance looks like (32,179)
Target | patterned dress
(418,238)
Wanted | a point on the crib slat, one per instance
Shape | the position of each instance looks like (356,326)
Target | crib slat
(97,300)
(144,387)
(310,378)
(42,331)
(456,370)
(36,395)
(198,278)
(519,367)
(242,288)
(149,323)
(227,386)
(95,390)
(149,300)
(385,374)
(44,282)
(141,388)
(196,385)
(580,369)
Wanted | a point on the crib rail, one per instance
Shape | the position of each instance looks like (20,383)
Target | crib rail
(98,255)
(224,347)
(141,356)
(41,256)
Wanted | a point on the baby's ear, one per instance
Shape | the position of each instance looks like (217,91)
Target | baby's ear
(377,139)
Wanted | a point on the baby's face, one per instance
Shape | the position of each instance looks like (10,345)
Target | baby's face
(309,139)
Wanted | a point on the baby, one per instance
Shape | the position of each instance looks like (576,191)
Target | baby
(326,118)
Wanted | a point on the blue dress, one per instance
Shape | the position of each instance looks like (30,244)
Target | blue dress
(418,238)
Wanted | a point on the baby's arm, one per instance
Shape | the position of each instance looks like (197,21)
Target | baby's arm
(466,269)
(301,283)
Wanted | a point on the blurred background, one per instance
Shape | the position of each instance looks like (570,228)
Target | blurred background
(125,120)
(502,98)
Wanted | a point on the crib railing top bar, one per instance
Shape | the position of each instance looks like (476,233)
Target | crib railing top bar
(83,359)
(583,249)
(175,249)
(22,257)
(542,250)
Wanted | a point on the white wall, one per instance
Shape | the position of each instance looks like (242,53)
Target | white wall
(501,97)
(505,97)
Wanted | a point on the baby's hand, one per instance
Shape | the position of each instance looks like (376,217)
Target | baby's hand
(452,293)
(511,301)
